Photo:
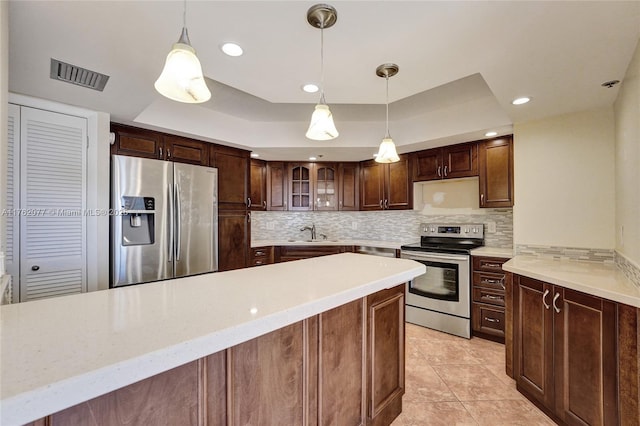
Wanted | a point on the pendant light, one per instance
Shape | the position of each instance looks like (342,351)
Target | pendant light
(181,79)
(322,127)
(387,152)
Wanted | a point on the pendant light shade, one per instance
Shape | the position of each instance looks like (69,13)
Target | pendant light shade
(322,127)
(181,79)
(387,151)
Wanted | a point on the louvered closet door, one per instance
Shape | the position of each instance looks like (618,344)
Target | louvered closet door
(53,199)
(12,258)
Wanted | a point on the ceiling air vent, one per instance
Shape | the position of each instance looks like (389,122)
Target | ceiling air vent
(77,75)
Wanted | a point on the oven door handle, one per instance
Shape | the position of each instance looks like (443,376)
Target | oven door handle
(439,256)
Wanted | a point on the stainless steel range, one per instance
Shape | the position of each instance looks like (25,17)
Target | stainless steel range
(441,298)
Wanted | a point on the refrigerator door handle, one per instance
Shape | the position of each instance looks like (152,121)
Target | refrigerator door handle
(170,244)
(176,194)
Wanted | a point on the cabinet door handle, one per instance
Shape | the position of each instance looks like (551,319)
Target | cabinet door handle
(386,204)
(381,204)
(248,217)
(555,307)
(264,205)
(160,152)
(445,171)
(168,153)
(491,319)
(248,202)
(439,169)
(482,199)
(544,299)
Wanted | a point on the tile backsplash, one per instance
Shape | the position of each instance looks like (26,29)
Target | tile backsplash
(401,225)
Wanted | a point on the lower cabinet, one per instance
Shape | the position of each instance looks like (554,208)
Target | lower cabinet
(261,256)
(344,366)
(288,253)
(565,352)
(234,233)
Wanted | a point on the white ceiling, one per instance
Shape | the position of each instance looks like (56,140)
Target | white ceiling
(461,63)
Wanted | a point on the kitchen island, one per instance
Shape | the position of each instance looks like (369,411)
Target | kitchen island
(284,341)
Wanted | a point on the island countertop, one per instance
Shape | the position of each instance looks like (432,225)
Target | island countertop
(62,351)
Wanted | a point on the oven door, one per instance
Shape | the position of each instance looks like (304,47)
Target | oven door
(445,287)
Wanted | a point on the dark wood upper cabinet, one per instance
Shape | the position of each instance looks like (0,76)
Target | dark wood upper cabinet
(276,186)
(183,150)
(348,186)
(137,142)
(386,186)
(454,161)
(495,158)
(233,176)
(372,185)
(145,143)
(325,186)
(300,182)
(258,185)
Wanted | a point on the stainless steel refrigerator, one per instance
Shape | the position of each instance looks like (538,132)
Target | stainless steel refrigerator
(164,222)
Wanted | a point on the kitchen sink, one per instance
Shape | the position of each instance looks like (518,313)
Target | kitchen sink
(313,241)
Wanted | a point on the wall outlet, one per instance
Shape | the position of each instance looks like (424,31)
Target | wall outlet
(354,225)
(491,227)
(271,226)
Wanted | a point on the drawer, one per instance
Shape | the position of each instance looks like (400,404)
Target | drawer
(488,320)
(491,297)
(261,252)
(489,280)
(488,264)
(261,256)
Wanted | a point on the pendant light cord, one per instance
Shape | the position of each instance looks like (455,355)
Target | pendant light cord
(322,101)
(387,78)
(184,15)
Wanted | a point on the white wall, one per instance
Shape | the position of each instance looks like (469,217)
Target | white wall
(4,101)
(564,181)
(627,147)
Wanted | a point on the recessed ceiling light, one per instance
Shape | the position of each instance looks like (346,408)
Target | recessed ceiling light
(255,155)
(231,49)
(489,134)
(312,158)
(520,101)
(310,88)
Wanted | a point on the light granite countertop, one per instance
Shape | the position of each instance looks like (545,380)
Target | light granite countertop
(61,351)
(369,243)
(493,252)
(598,279)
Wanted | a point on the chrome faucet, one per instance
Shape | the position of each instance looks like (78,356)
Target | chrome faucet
(312,229)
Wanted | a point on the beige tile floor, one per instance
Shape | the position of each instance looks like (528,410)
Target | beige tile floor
(455,381)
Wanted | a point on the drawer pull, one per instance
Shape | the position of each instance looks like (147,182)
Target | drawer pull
(259,253)
(492,265)
(490,297)
(491,319)
(258,262)
(488,281)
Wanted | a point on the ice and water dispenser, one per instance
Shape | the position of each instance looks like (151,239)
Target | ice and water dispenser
(138,221)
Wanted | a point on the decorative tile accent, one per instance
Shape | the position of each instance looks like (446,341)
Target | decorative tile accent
(630,269)
(401,226)
(567,253)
